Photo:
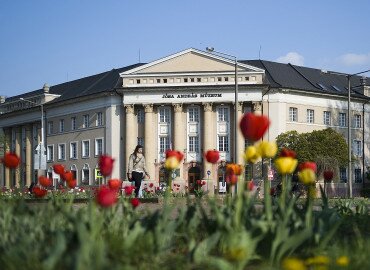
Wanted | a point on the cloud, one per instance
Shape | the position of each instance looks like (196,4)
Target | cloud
(352,59)
(293,58)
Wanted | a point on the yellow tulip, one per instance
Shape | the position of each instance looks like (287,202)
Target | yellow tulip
(251,154)
(286,165)
(307,176)
(267,149)
(343,261)
(320,259)
(171,163)
(293,264)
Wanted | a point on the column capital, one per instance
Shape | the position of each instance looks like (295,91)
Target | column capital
(257,106)
(207,106)
(148,108)
(177,107)
(129,108)
(240,106)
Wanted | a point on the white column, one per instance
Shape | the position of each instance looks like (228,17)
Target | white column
(149,140)
(28,155)
(208,138)
(131,140)
(18,139)
(8,140)
(240,138)
(179,132)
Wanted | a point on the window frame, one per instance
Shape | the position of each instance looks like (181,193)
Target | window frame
(357,120)
(71,150)
(342,119)
(310,116)
(61,125)
(223,143)
(99,119)
(83,148)
(50,154)
(96,153)
(50,127)
(327,118)
(293,114)
(73,123)
(61,154)
(86,121)
(194,144)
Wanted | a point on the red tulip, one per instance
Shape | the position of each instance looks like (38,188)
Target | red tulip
(308,165)
(67,176)
(129,190)
(44,181)
(72,183)
(328,175)
(173,153)
(199,182)
(231,179)
(106,197)
(58,169)
(250,185)
(135,202)
(287,153)
(106,165)
(203,183)
(114,184)
(39,192)
(11,160)
(212,156)
(151,185)
(254,126)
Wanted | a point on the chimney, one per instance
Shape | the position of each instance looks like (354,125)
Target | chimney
(2,99)
(46,88)
(365,88)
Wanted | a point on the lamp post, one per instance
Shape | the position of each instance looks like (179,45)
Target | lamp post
(348,76)
(212,50)
(41,147)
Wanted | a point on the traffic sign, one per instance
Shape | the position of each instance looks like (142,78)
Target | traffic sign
(39,158)
(208,172)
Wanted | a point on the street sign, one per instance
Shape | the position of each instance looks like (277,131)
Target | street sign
(39,158)
(222,187)
(208,172)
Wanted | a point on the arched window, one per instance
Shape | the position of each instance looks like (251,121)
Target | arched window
(85,176)
(73,170)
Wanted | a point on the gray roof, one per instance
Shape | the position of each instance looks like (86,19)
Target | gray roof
(307,79)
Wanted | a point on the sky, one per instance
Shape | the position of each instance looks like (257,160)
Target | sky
(45,41)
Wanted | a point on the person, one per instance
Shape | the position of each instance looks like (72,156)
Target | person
(137,168)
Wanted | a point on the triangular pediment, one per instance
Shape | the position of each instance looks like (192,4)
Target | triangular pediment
(190,61)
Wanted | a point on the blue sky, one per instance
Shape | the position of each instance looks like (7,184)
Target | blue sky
(44,41)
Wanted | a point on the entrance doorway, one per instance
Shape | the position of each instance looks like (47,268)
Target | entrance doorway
(193,176)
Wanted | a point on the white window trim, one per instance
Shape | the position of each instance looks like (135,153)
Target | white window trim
(324,118)
(61,130)
(83,149)
(308,116)
(70,150)
(345,119)
(223,155)
(47,152)
(59,153)
(295,109)
(74,166)
(75,123)
(191,156)
(88,121)
(354,143)
(97,119)
(355,121)
(96,146)
(168,124)
(82,173)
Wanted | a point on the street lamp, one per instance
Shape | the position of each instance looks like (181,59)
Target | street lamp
(212,50)
(41,147)
(348,76)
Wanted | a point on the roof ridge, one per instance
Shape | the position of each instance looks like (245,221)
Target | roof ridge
(269,72)
(303,76)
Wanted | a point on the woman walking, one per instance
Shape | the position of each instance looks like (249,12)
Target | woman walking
(137,168)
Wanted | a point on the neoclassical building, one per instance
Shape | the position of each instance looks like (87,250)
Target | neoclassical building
(184,101)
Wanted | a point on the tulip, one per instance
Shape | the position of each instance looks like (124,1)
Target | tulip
(250,185)
(308,165)
(328,175)
(171,163)
(44,181)
(231,179)
(307,176)
(286,165)
(287,153)
(151,185)
(11,160)
(39,192)
(135,202)
(212,156)
(58,169)
(129,190)
(251,154)
(342,261)
(72,183)
(106,197)
(234,169)
(173,153)
(67,176)
(114,184)
(267,149)
(254,126)
(106,165)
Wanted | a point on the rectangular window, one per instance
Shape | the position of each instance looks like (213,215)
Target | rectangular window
(194,144)
(223,114)
(50,127)
(85,149)
(140,116)
(86,121)
(73,150)
(61,125)
(99,119)
(73,123)
(310,116)
(358,176)
(343,174)
(140,141)
(342,119)
(193,114)
(223,143)
(293,114)
(327,118)
(98,147)
(357,148)
(50,153)
(164,115)
(357,121)
(61,151)
(164,144)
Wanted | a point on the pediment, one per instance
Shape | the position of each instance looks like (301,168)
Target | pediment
(190,61)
